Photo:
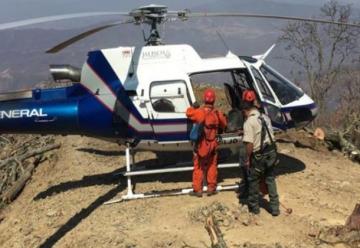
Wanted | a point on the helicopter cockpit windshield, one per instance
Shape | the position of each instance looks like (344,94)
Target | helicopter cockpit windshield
(285,91)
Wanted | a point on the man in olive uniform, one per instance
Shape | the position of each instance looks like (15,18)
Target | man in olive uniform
(260,157)
(248,97)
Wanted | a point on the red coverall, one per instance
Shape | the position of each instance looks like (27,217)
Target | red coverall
(205,164)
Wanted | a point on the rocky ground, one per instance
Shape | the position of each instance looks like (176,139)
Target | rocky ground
(62,205)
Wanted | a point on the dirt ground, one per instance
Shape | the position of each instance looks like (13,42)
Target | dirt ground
(62,205)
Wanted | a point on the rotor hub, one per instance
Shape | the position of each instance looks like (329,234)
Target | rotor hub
(152,15)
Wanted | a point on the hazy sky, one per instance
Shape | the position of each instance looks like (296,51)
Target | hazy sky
(19,9)
(317,2)
(29,64)
(11,10)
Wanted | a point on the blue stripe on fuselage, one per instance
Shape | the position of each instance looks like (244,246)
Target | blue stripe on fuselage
(103,69)
(101,66)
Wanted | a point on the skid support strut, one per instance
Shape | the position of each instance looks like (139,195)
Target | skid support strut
(129,159)
(128,169)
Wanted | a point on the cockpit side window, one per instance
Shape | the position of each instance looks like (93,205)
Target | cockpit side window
(264,89)
(284,90)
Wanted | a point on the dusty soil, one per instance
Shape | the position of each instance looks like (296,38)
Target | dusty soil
(62,206)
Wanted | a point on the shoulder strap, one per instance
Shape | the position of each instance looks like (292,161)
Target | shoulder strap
(215,111)
(264,131)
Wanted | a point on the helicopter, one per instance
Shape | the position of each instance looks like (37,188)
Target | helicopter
(138,96)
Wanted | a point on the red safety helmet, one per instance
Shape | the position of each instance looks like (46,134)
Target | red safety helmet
(209,96)
(249,96)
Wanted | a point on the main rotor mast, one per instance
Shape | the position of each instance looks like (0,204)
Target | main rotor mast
(154,15)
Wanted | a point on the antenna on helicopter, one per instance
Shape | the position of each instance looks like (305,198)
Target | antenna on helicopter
(223,40)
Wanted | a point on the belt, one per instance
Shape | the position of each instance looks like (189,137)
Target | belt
(267,148)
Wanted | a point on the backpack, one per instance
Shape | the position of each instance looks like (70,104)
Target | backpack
(208,128)
(196,131)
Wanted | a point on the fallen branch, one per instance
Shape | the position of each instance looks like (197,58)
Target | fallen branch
(302,139)
(216,237)
(3,182)
(335,139)
(14,190)
(17,184)
(350,149)
(4,140)
(29,154)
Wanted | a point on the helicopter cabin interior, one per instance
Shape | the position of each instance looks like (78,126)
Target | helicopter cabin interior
(228,85)
(273,92)
(175,97)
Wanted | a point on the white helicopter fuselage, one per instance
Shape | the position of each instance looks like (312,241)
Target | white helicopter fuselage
(139,96)
(163,73)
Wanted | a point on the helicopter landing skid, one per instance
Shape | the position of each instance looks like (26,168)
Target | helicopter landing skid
(130,195)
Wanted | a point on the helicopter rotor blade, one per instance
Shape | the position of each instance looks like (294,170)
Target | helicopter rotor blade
(28,22)
(246,15)
(83,35)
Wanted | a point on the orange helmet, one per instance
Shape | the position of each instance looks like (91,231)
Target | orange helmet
(248,96)
(209,96)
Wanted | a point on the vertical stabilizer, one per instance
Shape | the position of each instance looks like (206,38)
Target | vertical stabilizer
(264,56)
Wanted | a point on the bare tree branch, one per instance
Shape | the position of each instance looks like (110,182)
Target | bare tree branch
(321,51)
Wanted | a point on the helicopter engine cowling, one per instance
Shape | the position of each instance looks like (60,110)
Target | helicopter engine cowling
(65,72)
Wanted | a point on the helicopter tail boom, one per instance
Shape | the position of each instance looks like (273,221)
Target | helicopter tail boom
(68,110)
(35,113)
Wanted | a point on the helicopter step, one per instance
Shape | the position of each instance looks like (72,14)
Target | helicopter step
(129,173)
(171,170)
(167,193)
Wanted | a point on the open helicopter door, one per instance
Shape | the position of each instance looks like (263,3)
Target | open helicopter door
(270,102)
(168,103)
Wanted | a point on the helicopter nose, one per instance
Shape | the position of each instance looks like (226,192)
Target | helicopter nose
(314,111)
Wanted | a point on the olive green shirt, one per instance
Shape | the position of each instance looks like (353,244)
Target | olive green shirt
(252,129)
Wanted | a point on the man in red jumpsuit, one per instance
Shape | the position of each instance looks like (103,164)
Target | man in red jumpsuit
(205,152)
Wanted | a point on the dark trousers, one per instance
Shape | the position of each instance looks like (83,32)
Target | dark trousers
(262,166)
(244,172)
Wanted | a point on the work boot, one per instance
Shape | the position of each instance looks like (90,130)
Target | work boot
(252,220)
(210,193)
(243,194)
(196,194)
(254,211)
(275,212)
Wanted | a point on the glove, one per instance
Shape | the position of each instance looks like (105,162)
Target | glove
(195,105)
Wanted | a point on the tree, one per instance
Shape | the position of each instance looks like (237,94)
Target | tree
(348,109)
(321,50)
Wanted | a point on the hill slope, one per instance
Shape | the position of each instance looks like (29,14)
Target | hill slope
(62,206)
